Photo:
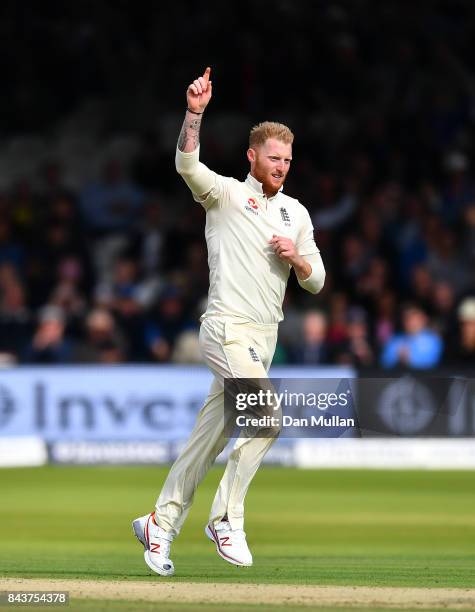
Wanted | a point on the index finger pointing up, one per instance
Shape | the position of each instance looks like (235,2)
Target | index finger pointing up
(206,74)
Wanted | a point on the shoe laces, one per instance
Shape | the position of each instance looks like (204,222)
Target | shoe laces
(164,539)
(225,526)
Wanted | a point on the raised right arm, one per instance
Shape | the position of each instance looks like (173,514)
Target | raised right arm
(189,138)
(198,96)
(196,175)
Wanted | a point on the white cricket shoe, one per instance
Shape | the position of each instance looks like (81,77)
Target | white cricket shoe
(230,543)
(156,543)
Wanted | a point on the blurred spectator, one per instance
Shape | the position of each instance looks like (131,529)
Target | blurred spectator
(187,348)
(196,269)
(15,317)
(422,287)
(103,342)
(148,243)
(356,350)
(165,323)
(49,343)
(443,308)
(374,281)
(312,347)
(68,294)
(337,329)
(408,239)
(127,295)
(417,347)
(459,188)
(112,204)
(461,345)
(444,262)
(289,329)
(356,257)
(59,242)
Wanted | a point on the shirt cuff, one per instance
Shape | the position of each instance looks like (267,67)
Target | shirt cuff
(314,283)
(186,163)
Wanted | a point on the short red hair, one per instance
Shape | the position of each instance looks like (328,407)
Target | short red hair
(269,129)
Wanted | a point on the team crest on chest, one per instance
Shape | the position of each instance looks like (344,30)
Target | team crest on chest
(285,216)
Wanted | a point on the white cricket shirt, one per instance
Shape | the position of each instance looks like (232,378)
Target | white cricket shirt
(247,280)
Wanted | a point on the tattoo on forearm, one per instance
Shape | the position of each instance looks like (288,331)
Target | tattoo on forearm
(189,137)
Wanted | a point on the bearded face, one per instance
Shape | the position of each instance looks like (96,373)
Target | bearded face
(270,164)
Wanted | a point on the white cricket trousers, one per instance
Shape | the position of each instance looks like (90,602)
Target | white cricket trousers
(232,350)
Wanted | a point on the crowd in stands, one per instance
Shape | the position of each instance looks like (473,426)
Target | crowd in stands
(109,265)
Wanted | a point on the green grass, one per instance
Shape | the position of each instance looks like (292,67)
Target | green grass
(399,528)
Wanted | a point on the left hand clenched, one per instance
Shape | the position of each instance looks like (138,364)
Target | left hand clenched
(284,248)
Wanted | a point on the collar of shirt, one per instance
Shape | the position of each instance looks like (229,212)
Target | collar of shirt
(256,186)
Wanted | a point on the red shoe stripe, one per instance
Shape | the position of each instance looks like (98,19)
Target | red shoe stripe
(147,539)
